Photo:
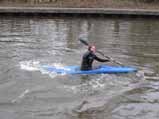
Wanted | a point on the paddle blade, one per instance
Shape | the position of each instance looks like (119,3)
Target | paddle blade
(83,41)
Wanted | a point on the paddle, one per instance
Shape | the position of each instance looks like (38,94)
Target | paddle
(111,59)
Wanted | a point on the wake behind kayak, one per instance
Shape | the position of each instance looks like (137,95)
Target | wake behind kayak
(102,69)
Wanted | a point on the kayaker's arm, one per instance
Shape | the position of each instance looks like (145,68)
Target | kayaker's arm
(101,60)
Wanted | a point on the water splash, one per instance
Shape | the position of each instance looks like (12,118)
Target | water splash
(30,65)
(37,66)
(52,74)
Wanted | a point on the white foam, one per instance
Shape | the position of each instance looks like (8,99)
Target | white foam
(52,74)
(33,65)
(30,65)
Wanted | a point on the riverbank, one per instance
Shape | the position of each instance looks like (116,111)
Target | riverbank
(106,7)
(117,4)
(104,11)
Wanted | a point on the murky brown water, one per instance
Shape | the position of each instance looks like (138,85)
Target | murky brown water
(27,92)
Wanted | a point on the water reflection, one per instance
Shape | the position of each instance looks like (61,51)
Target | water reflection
(143,32)
(134,43)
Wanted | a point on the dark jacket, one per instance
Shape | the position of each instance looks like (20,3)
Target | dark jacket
(88,59)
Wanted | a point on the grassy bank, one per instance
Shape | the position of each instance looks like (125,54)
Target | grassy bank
(133,4)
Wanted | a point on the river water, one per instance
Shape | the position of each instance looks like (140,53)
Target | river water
(28,92)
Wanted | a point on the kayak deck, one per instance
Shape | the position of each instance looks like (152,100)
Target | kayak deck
(101,69)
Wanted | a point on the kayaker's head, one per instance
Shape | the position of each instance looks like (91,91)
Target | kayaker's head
(92,48)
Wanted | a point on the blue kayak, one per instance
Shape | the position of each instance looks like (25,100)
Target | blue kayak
(103,69)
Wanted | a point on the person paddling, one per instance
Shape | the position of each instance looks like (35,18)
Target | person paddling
(89,57)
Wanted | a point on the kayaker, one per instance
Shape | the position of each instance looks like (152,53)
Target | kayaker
(89,57)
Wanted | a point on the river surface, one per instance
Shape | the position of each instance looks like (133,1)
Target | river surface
(29,92)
